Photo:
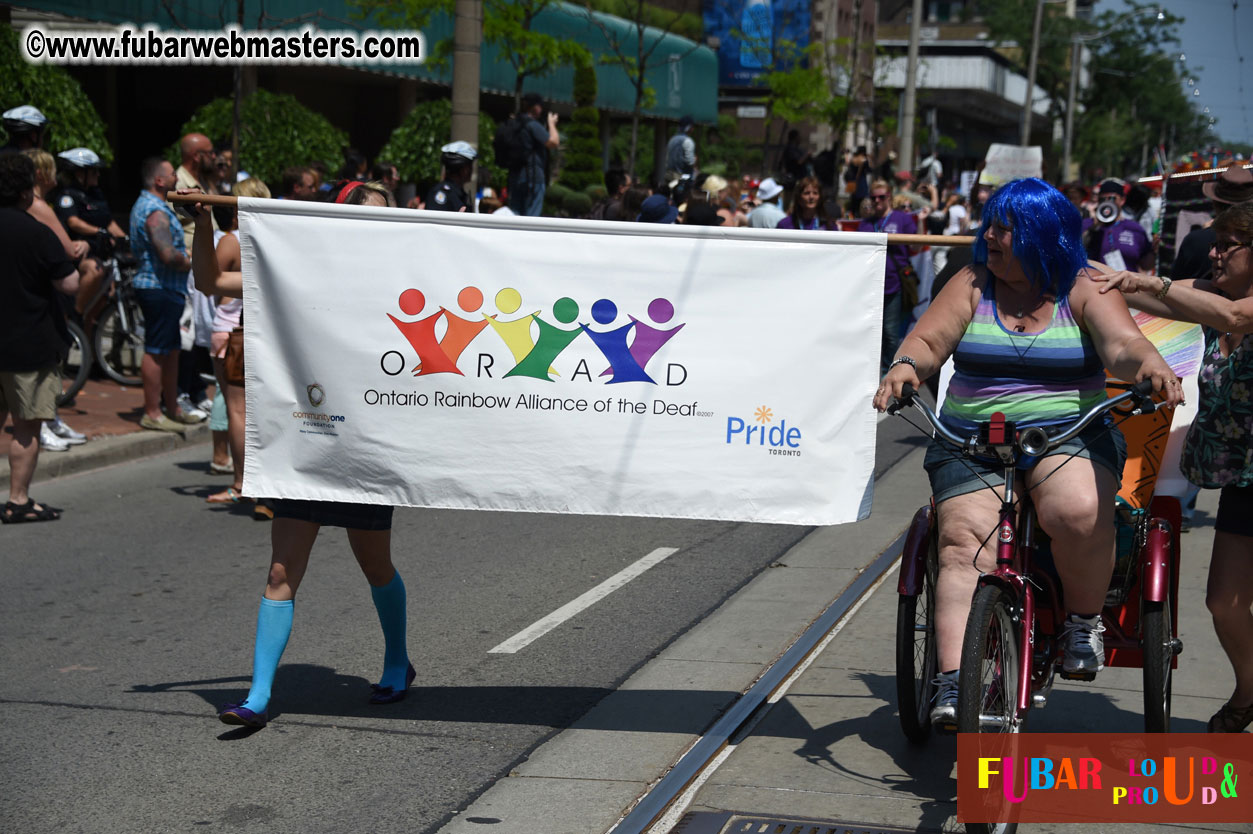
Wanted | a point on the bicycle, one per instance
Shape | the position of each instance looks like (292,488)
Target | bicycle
(117,333)
(1011,650)
(76,367)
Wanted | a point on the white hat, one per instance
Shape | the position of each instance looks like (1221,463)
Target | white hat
(81,157)
(459,148)
(768,189)
(27,115)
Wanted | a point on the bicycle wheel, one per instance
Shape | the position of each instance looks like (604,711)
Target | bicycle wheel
(77,365)
(120,342)
(988,682)
(1157,643)
(916,653)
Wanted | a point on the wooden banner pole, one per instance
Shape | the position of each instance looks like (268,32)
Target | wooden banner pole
(893,240)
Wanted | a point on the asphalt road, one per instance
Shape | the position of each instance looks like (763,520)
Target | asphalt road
(126,623)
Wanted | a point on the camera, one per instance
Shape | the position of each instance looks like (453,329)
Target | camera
(1107,212)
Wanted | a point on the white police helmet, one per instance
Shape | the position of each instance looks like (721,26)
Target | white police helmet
(457,153)
(24,118)
(81,158)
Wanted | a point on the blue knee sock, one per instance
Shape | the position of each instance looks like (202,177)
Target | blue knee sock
(389,601)
(273,628)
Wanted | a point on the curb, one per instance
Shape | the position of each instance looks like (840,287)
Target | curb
(100,452)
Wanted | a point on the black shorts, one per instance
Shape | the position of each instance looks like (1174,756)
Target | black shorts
(335,513)
(1235,511)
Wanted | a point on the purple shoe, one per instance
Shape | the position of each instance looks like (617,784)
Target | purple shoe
(242,716)
(388,694)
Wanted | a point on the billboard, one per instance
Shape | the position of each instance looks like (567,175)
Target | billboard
(755,37)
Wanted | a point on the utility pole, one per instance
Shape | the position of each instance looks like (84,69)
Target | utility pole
(1025,136)
(911,89)
(467,37)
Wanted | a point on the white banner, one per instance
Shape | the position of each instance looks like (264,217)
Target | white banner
(1010,162)
(463,361)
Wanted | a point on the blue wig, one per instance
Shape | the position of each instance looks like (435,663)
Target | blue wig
(1048,233)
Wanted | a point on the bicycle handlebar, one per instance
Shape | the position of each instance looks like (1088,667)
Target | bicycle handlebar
(1034,440)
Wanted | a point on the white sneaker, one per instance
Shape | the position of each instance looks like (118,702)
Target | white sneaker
(49,442)
(190,412)
(205,405)
(61,430)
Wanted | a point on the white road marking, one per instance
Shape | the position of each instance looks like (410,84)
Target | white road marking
(532,633)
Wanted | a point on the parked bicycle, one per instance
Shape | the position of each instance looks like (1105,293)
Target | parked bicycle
(1011,651)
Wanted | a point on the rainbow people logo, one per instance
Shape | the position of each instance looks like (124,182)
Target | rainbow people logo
(533,339)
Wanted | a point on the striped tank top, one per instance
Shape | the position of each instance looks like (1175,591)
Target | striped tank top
(1035,379)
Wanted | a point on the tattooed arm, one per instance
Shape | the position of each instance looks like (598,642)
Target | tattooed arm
(158,225)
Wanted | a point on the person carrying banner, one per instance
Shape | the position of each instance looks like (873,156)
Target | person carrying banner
(1031,338)
(295,529)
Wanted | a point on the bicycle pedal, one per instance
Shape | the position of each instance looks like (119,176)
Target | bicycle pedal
(1078,676)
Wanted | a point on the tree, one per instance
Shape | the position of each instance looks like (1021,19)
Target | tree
(508,25)
(582,162)
(275,132)
(1137,100)
(634,54)
(414,145)
(74,122)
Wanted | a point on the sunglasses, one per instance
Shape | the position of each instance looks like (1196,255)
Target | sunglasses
(879,196)
(1224,246)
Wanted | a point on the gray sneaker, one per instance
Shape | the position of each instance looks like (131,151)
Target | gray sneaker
(944,713)
(1083,647)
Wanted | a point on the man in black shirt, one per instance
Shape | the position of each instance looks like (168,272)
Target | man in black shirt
(33,337)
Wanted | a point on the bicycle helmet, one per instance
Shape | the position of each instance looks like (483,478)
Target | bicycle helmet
(457,153)
(80,158)
(24,119)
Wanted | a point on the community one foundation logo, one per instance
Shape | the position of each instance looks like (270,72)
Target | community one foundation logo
(628,348)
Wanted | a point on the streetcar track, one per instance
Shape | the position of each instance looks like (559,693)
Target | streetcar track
(653,812)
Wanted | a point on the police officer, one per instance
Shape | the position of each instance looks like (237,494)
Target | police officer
(450,195)
(81,205)
(25,126)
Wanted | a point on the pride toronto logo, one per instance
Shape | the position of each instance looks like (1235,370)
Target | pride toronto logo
(534,340)
(780,439)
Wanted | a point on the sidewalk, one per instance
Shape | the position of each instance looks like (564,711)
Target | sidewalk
(108,413)
(829,755)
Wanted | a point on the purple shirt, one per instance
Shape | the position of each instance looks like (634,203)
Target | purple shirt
(1128,237)
(894,223)
(790,221)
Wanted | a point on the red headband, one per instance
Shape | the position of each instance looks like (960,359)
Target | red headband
(346,190)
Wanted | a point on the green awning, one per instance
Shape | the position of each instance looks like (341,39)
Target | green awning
(682,74)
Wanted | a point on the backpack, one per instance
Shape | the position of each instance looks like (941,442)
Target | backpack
(509,144)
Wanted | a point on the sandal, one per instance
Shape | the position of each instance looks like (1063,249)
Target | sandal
(221,468)
(30,511)
(226,496)
(1230,719)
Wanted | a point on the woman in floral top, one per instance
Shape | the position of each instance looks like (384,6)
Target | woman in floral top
(1219,449)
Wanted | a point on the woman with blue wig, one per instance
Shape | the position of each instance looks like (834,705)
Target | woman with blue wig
(1031,337)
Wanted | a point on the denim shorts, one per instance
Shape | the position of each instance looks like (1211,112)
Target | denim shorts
(952,474)
(1235,511)
(162,309)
